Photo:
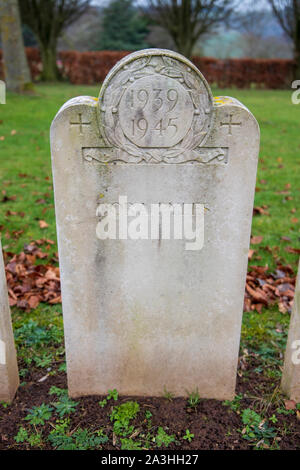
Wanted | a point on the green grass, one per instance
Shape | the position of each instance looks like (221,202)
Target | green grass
(278,181)
(25,170)
(26,185)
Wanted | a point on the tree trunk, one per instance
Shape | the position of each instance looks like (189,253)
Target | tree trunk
(184,31)
(17,74)
(50,70)
(185,46)
(297,50)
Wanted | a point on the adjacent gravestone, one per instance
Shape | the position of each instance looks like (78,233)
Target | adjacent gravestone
(148,308)
(9,377)
(291,370)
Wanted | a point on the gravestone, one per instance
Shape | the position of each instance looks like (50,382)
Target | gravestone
(291,371)
(154,185)
(9,376)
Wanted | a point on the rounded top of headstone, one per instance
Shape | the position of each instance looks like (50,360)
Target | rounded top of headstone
(155,101)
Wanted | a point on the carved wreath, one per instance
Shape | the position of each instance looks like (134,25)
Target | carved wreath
(168,67)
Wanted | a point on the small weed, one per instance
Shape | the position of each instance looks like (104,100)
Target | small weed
(273,419)
(63,367)
(188,436)
(130,444)
(65,406)
(112,395)
(256,429)
(39,414)
(122,415)
(22,435)
(102,403)
(235,404)
(61,438)
(162,438)
(59,392)
(4,404)
(23,372)
(168,395)
(283,411)
(31,334)
(34,439)
(193,399)
(44,361)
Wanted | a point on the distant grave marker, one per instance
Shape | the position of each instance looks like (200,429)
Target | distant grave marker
(9,377)
(291,370)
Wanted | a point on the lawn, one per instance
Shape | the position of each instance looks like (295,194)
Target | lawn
(27,199)
(25,171)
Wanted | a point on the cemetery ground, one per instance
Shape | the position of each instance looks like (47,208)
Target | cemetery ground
(42,416)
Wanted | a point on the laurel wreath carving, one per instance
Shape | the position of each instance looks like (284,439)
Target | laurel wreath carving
(167,67)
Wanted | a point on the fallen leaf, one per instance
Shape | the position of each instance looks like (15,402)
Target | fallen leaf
(33,301)
(290,249)
(258,295)
(256,239)
(282,308)
(260,210)
(290,404)
(43,224)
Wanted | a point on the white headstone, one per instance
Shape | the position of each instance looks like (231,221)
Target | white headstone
(148,307)
(291,370)
(9,377)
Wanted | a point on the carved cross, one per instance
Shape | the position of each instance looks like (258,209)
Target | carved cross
(230,124)
(80,124)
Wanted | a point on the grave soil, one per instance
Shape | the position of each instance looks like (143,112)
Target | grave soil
(214,424)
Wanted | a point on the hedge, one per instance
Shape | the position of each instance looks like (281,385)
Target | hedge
(92,68)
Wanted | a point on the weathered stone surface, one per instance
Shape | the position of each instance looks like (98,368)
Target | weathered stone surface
(291,370)
(144,315)
(16,70)
(9,377)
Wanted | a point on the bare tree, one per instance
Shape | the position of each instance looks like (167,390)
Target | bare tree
(287,13)
(47,19)
(17,74)
(188,20)
(254,27)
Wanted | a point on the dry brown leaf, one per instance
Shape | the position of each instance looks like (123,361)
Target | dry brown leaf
(290,249)
(33,301)
(43,224)
(256,239)
(290,404)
